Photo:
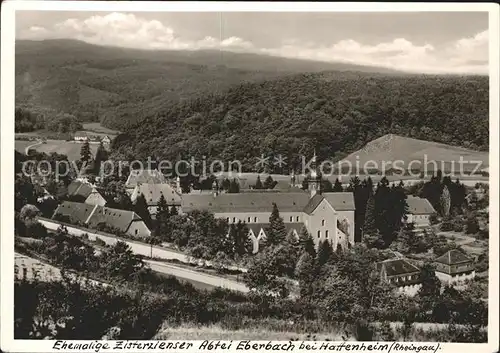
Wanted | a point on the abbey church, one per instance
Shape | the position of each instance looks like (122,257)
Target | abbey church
(327,216)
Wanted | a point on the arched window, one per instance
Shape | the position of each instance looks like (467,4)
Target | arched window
(326,234)
(298,218)
(291,218)
(323,222)
(255,219)
(319,234)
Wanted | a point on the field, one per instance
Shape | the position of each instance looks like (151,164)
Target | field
(281,330)
(99,130)
(215,332)
(390,148)
(68,148)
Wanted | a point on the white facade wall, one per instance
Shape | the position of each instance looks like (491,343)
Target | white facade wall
(410,290)
(138,229)
(322,224)
(420,220)
(95,199)
(349,215)
(259,217)
(446,278)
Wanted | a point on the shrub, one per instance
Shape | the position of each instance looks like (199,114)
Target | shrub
(100,242)
(446,226)
(433,219)
(472,225)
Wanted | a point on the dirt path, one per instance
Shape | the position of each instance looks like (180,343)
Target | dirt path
(27,149)
(459,238)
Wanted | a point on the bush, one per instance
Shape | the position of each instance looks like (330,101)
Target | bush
(446,226)
(385,332)
(472,225)
(100,242)
(484,234)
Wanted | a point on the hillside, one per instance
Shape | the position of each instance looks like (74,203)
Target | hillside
(390,148)
(337,113)
(119,86)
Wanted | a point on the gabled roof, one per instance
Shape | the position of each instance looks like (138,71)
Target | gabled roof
(313,203)
(282,185)
(453,257)
(79,188)
(81,212)
(153,192)
(292,189)
(297,226)
(256,227)
(144,176)
(397,267)
(419,206)
(340,201)
(245,202)
(113,217)
(289,227)
(76,211)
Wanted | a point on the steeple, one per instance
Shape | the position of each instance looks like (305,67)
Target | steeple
(314,183)
(314,172)
(215,188)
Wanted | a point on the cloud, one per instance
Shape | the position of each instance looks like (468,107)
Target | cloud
(129,30)
(465,55)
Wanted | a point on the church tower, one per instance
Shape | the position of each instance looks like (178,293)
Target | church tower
(314,182)
(215,188)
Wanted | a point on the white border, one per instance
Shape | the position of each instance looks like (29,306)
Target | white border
(7,343)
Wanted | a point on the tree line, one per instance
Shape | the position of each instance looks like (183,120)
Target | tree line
(290,116)
(28,119)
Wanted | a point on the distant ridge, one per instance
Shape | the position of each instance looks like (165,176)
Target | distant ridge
(119,86)
(205,57)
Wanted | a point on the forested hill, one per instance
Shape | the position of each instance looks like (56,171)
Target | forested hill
(335,112)
(119,86)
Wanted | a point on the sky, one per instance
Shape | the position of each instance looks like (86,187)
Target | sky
(427,42)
